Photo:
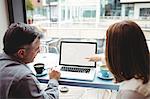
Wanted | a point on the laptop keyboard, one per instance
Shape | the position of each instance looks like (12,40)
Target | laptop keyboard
(72,69)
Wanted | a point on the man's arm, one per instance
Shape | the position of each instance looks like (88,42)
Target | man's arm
(29,87)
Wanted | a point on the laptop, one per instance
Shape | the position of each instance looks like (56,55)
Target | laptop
(72,60)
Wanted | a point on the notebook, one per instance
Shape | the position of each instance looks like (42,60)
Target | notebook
(73,62)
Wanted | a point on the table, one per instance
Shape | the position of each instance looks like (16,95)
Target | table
(51,60)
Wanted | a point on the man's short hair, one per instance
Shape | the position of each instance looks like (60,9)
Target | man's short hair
(18,35)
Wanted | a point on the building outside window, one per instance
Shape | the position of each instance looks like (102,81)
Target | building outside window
(129,10)
(145,12)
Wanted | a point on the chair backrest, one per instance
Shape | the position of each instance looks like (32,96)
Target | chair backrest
(53,46)
(101,45)
(148,97)
(128,94)
(44,48)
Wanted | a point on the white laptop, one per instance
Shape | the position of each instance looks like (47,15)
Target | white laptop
(72,60)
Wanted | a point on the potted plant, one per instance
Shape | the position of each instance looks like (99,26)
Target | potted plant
(30,9)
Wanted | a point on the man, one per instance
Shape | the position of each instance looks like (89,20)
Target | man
(21,45)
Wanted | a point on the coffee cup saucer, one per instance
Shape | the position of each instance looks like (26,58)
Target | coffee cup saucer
(110,77)
(42,74)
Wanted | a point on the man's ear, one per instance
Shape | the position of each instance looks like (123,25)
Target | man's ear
(21,53)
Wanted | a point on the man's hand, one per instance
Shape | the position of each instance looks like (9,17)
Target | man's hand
(54,74)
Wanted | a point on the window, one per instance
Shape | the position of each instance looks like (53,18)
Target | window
(86,19)
(129,10)
(48,1)
(145,12)
(62,14)
(89,13)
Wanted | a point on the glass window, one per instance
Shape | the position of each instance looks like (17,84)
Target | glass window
(89,13)
(145,12)
(85,20)
(48,1)
(68,13)
(129,10)
(62,14)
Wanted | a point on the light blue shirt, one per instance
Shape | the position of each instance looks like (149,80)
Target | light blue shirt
(18,82)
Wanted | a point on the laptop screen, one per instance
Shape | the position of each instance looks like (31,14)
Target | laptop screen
(74,53)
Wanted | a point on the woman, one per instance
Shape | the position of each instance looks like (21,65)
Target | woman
(127,57)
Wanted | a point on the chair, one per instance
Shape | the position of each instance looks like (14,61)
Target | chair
(43,48)
(101,45)
(53,46)
(44,45)
(129,94)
